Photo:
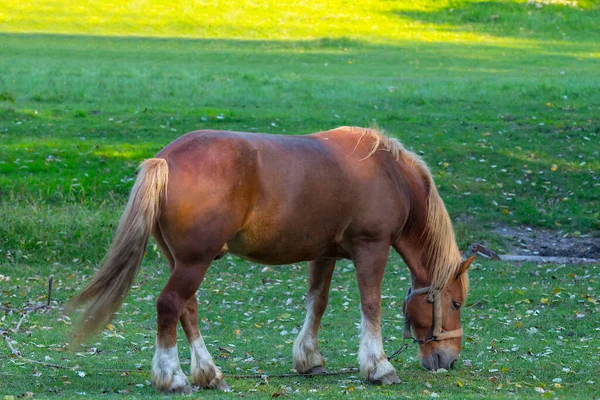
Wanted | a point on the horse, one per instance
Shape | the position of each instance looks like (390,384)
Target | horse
(347,193)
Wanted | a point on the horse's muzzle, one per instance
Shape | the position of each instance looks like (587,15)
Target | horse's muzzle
(440,359)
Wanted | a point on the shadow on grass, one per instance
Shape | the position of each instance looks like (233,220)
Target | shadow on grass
(519,20)
(66,44)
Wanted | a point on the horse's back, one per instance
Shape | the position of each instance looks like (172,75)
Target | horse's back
(273,199)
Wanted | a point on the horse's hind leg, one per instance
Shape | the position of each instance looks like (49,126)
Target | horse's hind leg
(203,370)
(307,358)
(167,375)
(172,305)
(370,259)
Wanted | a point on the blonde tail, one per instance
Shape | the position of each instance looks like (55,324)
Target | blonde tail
(104,295)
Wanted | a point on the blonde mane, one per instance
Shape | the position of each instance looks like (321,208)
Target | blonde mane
(440,251)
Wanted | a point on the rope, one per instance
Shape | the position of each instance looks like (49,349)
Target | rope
(342,371)
(401,350)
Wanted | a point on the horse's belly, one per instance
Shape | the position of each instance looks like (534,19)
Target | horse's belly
(280,248)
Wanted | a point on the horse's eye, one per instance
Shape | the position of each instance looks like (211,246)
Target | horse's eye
(456,305)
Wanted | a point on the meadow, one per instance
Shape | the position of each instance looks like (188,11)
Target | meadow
(499,97)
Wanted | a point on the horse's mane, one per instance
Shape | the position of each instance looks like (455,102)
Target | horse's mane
(440,251)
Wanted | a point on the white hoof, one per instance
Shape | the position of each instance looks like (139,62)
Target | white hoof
(307,358)
(204,372)
(166,374)
(208,376)
(381,372)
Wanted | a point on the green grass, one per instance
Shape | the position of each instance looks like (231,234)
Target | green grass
(519,336)
(497,131)
(499,97)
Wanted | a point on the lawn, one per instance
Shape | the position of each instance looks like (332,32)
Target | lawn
(499,97)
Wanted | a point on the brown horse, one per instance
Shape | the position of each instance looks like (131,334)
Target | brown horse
(345,193)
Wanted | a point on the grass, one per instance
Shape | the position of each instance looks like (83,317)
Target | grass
(540,333)
(499,97)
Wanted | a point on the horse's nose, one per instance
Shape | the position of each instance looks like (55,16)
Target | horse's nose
(440,359)
(453,364)
(430,363)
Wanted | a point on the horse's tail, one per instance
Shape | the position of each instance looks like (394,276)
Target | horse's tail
(104,295)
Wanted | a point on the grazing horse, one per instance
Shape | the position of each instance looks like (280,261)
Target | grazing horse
(345,193)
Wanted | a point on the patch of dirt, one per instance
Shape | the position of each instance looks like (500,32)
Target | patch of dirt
(542,242)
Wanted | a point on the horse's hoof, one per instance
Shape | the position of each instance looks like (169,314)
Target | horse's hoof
(177,383)
(318,370)
(223,386)
(185,389)
(179,387)
(208,377)
(390,378)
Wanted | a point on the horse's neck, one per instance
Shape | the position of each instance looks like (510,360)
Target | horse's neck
(410,243)
(408,246)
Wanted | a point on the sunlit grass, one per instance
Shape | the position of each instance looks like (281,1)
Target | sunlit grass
(368,21)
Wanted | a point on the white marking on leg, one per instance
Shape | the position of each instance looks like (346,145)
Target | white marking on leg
(306,347)
(167,375)
(373,363)
(203,370)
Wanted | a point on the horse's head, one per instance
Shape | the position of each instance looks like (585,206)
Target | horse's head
(433,315)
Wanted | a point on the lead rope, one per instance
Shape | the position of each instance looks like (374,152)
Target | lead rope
(405,346)
(265,375)
(402,349)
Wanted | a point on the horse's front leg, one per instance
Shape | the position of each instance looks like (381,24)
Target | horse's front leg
(370,260)
(307,358)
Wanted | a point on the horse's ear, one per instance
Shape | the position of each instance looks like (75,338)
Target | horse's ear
(464,266)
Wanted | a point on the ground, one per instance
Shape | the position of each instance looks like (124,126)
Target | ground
(553,243)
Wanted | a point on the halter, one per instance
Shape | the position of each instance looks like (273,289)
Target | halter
(433,296)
